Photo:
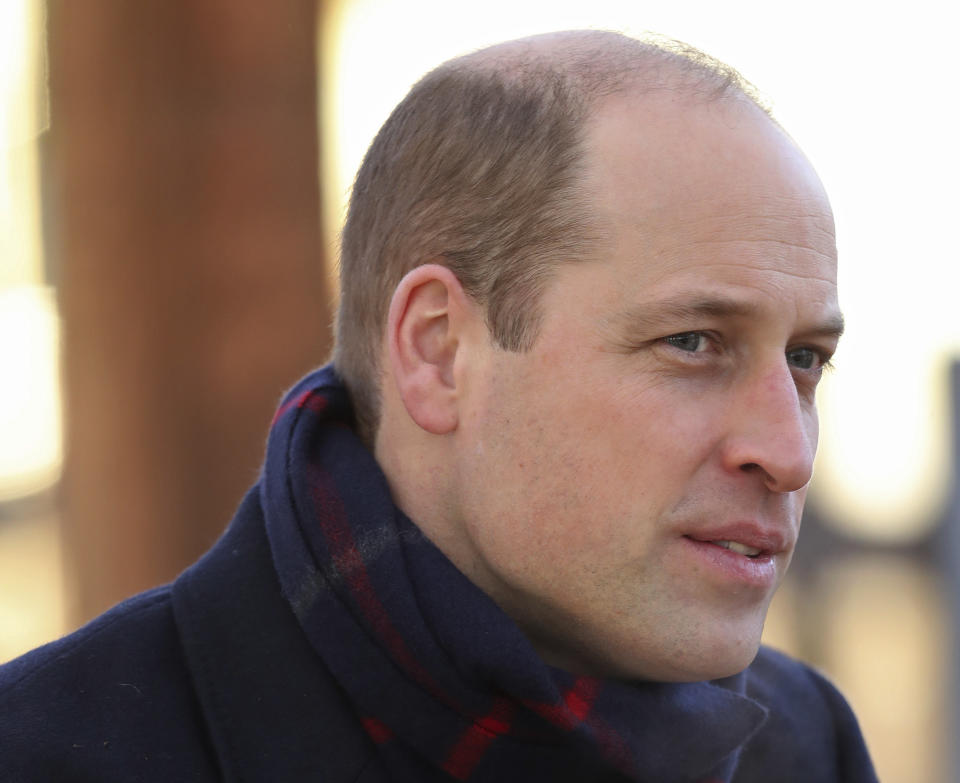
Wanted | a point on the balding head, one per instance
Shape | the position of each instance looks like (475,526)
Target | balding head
(481,169)
(593,64)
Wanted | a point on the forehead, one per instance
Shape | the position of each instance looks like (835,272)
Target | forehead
(693,193)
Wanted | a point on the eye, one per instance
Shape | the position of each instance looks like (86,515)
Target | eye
(689,342)
(806,359)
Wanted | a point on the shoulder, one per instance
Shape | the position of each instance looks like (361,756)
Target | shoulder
(84,647)
(811,732)
(113,697)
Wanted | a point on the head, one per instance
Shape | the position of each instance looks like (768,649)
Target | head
(602,319)
(481,169)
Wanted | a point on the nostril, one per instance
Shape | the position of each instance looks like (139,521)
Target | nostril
(755,468)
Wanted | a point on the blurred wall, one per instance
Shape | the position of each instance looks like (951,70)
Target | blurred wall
(183,231)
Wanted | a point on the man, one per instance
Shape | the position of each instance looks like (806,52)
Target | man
(528,524)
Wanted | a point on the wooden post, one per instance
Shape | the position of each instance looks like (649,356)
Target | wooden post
(184,219)
(951,569)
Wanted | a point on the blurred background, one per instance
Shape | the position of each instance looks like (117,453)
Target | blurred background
(172,179)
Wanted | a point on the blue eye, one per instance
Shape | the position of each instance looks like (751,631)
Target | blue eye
(691,342)
(804,358)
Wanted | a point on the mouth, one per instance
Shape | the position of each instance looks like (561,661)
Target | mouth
(746,553)
(739,548)
(750,539)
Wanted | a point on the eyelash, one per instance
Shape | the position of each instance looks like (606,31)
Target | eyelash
(673,339)
(824,358)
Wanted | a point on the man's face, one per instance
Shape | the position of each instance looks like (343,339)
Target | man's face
(630,489)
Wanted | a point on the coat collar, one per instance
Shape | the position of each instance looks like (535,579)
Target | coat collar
(272,710)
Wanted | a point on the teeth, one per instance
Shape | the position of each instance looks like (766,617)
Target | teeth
(741,549)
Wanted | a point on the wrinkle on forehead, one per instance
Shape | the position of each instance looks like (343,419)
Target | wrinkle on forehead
(770,211)
(787,257)
(749,273)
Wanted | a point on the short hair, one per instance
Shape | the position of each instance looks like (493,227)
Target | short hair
(481,168)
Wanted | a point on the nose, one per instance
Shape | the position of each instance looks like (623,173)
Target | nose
(773,432)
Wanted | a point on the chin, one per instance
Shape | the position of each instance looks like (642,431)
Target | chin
(712,661)
(685,660)
(693,649)
(715,670)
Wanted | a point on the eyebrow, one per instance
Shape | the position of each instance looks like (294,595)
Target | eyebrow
(651,316)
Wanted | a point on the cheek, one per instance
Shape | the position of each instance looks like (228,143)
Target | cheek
(813,426)
(660,436)
(587,464)
(539,491)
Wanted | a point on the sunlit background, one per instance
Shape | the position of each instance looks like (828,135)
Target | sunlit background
(868,90)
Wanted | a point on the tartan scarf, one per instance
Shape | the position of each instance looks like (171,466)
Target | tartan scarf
(442,681)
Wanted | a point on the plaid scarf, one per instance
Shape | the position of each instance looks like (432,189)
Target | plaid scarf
(442,681)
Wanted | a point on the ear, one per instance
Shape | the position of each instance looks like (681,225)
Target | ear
(423,335)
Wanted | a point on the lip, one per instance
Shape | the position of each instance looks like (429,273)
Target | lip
(759,571)
(770,540)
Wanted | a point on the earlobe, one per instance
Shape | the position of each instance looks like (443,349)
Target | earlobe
(422,338)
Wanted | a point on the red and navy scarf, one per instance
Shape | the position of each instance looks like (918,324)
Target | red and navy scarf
(444,683)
